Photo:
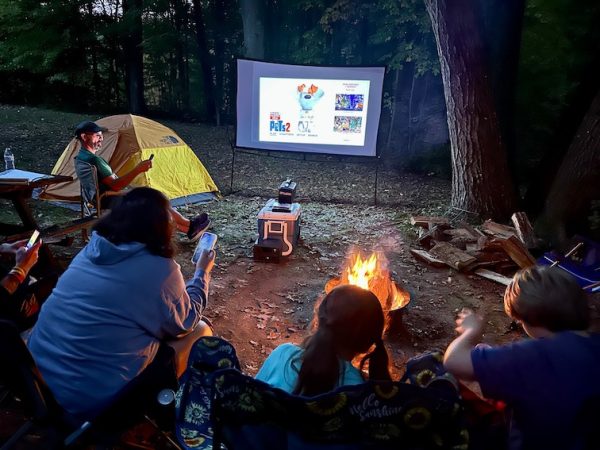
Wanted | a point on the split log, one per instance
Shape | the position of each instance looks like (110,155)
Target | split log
(488,244)
(473,231)
(498,230)
(472,247)
(490,257)
(489,275)
(452,256)
(462,233)
(428,221)
(517,252)
(524,229)
(427,257)
(429,238)
(459,242)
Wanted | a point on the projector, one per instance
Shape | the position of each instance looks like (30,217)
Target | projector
(287,192)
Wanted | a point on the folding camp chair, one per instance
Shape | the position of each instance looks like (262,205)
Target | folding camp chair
(19,373)
(91,198)
(249,414)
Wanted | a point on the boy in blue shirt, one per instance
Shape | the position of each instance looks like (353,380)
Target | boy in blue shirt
(546,381)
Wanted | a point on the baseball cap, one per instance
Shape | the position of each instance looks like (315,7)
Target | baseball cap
(88,127)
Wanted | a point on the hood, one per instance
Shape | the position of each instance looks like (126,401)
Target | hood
(101,251)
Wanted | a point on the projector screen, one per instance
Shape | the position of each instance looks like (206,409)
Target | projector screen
(332,110)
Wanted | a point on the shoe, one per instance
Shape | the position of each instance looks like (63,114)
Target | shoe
(198,225)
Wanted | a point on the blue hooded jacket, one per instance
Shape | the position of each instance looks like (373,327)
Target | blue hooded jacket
(105,319)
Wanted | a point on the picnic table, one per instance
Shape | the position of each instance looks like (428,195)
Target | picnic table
(18,187)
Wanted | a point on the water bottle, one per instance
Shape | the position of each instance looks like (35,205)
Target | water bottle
(9,159)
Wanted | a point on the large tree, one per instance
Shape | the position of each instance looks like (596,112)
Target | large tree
(253,12)
(134,55)
(577,182)
(481,181)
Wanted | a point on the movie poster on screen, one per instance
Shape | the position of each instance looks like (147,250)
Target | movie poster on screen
(313,111)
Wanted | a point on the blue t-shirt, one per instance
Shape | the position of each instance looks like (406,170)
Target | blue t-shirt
(282,366)
(545,382)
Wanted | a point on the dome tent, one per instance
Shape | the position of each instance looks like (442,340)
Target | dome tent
(177,172)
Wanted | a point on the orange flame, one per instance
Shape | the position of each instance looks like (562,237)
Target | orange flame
(371,273)
(362,271)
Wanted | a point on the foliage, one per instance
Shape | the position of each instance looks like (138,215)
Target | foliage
(75,47)
(560,44)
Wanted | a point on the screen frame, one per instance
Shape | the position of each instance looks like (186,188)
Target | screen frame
(369,150)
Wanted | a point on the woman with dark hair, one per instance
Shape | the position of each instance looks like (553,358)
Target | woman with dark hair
(348,323)
(122,297)
(20,294)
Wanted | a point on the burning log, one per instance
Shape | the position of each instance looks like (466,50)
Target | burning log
(371,273)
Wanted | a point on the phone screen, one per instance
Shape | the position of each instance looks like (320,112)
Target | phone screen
(207,241)
(34,237)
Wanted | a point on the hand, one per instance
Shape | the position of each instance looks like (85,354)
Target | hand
(145,165)
(206,260)
(469,323)
(11,249)
(26,258)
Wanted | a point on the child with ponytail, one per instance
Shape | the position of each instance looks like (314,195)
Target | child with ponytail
(349,322)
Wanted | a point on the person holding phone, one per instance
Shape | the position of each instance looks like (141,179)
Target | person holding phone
(121,305)
(20,295)
(90,136)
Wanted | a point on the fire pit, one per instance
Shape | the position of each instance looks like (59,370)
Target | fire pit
(372,273)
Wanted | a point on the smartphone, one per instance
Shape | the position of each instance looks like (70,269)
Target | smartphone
(33,239)
(151,156)
(206,242)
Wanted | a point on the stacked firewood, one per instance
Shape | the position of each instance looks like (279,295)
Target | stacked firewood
(492,250)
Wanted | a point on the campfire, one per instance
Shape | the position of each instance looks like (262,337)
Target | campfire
(372,273)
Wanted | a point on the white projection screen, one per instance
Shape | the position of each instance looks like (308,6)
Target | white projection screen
(333,110)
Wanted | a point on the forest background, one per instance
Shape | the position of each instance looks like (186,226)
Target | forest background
(540,61)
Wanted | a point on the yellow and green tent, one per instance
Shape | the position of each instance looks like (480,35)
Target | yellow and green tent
(176,170)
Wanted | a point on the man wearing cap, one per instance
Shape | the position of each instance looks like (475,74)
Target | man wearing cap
(90,136)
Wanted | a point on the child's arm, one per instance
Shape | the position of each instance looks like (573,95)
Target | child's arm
(457,359)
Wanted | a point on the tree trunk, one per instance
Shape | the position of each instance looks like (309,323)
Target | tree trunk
(252,12)
(480,177)
(180,22)
(219,58)
(205,61)
(577,181)
(502,23)
(134,56)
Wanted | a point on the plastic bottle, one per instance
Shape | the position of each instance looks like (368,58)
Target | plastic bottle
(9,159)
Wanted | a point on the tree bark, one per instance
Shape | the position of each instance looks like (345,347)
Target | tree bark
(180,18)
(220,6)
(134,56)
(205,60)
(480,176)
(502,23)
(252,12)
(577,181)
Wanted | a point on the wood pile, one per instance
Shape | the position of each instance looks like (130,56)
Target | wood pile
(493,251)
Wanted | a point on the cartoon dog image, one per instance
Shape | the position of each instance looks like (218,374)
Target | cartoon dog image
(309,97)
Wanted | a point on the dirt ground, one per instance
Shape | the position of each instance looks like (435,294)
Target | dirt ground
(257,305)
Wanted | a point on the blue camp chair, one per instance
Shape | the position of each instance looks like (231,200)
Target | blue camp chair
(251,415)
(218,405)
